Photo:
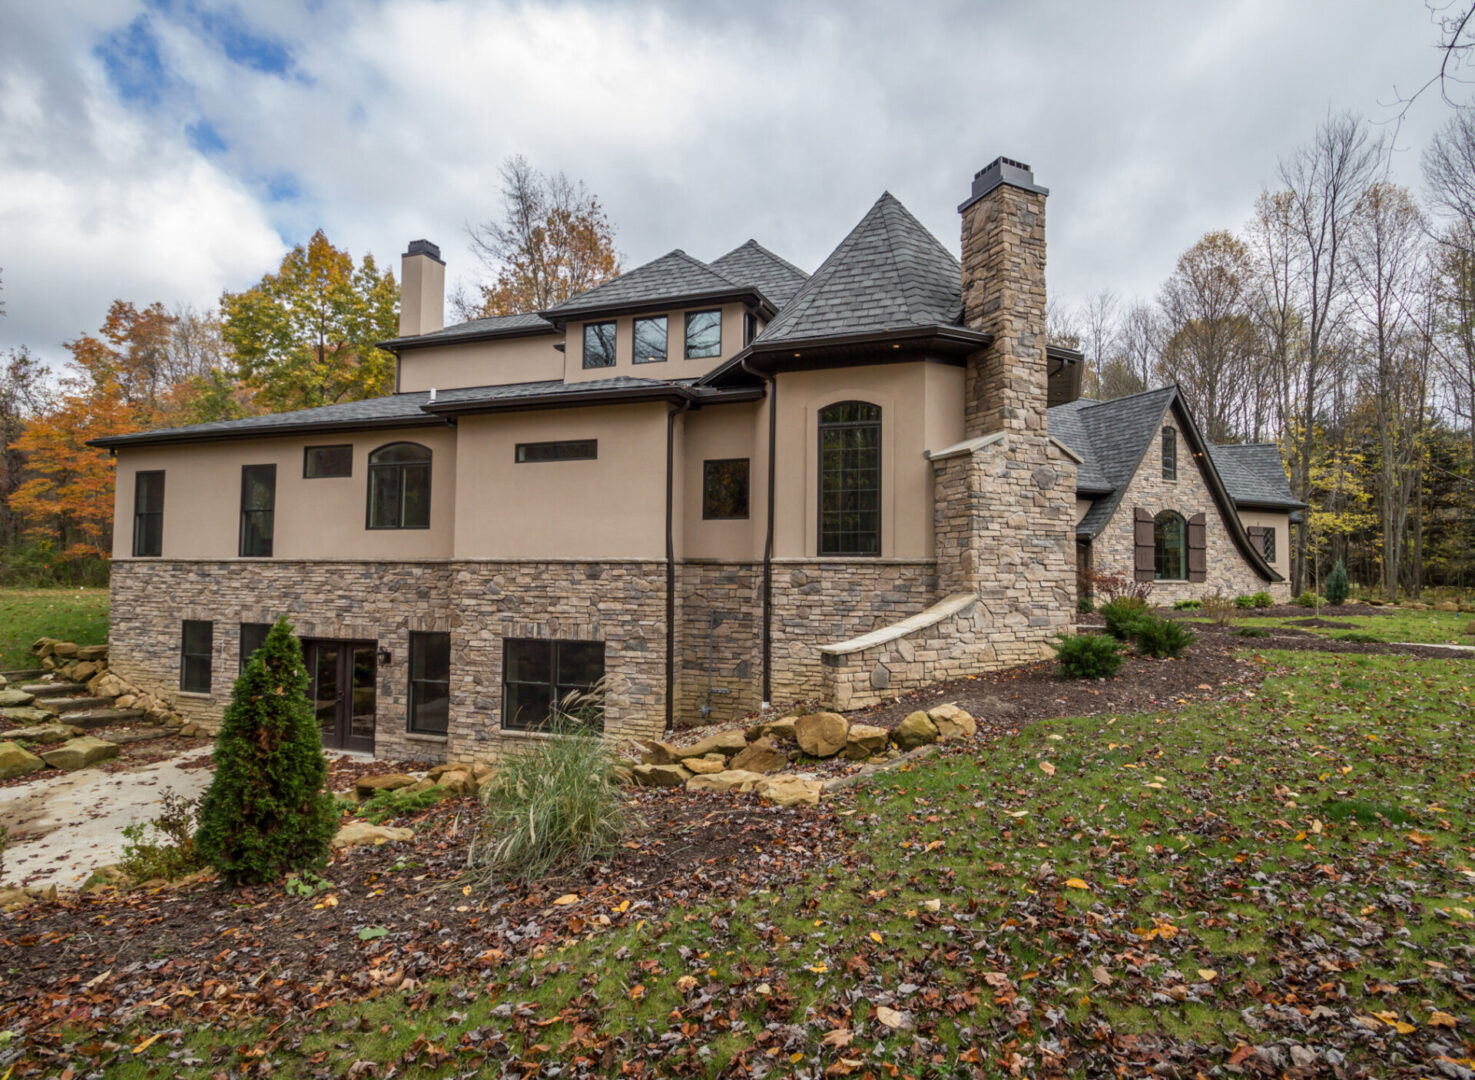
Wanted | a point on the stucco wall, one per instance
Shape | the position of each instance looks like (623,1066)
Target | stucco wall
(481,363)
(1280,521)
(727,431)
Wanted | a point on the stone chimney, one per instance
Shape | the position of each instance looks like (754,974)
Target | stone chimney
(1004,295)
(422,290)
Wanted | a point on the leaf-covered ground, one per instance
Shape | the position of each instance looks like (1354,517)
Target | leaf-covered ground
(79,615)
(1278,885)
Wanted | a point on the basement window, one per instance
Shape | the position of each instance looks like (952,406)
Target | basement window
(253,636)
(196,641)
(538,675)
(599,344)
(430,683)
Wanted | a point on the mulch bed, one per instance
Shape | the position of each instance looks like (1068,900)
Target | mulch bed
(1305,641)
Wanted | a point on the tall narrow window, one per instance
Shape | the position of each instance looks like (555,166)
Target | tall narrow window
(430,683)
(850,479)
(258,509)
(1170,454)
(650,340)
(196,643)
(253,636)
(703,334)
(399,487)
(1170,547)
(148,513)
(599,344)
(1268,541)
(539,674)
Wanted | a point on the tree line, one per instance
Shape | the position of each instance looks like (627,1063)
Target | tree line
(307,334)
(1338,321)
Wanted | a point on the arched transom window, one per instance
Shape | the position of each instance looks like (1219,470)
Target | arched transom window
(1170,546)
(399,487)
(850,479)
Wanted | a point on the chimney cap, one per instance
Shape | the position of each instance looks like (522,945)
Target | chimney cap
(1001,170)
(424,247)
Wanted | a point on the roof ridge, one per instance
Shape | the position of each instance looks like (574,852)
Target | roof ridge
(774,256)
(1091,404)
(804,297)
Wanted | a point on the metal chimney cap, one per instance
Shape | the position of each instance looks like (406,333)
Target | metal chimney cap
(425,247)
(1001,170)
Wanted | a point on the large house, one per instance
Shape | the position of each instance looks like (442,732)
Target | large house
(712,485)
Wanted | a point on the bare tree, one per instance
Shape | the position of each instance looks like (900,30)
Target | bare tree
(1062,327)
(1325,180)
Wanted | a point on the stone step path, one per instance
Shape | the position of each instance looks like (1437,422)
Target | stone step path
(100,718)
(22,674)
(67,706)
(54,689)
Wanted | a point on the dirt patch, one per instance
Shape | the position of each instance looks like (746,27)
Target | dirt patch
(1323,624)
(1305,641)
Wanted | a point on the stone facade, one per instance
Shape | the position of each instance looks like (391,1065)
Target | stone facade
(1226,571)
(948,640)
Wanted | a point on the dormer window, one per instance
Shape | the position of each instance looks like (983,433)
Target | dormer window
(703,334)
(650,340)
(599,344)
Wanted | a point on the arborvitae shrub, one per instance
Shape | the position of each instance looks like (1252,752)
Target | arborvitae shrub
(1088,656)
(266,812)
(1337,586)
(1121,614)
(1161,637)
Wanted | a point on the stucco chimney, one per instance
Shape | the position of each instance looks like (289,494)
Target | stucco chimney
(422,289)
(1004,295)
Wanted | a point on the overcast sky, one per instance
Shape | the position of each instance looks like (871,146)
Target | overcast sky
(167,150)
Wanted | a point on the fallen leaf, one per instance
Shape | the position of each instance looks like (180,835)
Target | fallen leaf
(890,1017)
(567,899)
(141,1047)
(1076,883)
(1442,1019)
(1047,768)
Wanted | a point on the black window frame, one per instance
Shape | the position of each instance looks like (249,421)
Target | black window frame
(418,640)
(1159,552)
(750,327)
(155,516)
(399,466)
(824,547)
(635,349)
(614,344)
(521,452)
(1267,542)
(264,535)
(308,474)
(186,655)
(1169,444)
(263,628)
(686,337)
(557,689)
(707,490)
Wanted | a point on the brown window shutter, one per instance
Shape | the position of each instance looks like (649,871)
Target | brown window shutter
(1197,543)
(1144,544)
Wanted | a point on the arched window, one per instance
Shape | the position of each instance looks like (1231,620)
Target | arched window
(399,487)
(850,479)
(1170,546)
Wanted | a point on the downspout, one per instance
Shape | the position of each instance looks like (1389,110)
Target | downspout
(671,565)
(768,538)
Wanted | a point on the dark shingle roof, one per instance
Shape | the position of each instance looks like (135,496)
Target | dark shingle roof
(1112,436)
(673,275)
(753,264)
(1254,475)
(889,273)
(495,326)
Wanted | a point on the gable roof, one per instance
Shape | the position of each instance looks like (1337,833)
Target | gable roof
(1112,437)
(753,264)
(1255,475)
(673,276)
(889,273)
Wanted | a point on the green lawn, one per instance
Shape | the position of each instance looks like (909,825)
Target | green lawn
(79,615)
(1430,627)
(1201,875)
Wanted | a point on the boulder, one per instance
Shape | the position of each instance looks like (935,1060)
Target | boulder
(359,833)
(916,730)
(783,728)
(456,782)
(27,714)
(93,652)
(10,699)
(761,757)
(17,761)
(369,786)
(952,722)
(660,775)
(723,742)
(703,765)
(658,753)
(731,779)
(14,899)
(126,701)
(83,670)
(44,733)
(865,740)
(821,734)
(79,753)
(67,650)
(789,790)
(109,685)
(419,786)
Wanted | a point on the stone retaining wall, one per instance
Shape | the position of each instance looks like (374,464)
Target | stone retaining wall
(947,641)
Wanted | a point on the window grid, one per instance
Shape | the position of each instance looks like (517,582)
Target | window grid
(148,513)
(1170,547)
(538,673)
(850,479)
(399,487)
(1267,543)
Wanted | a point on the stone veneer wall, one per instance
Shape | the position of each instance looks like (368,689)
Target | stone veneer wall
(733,593)
(948,640)
(1226,569)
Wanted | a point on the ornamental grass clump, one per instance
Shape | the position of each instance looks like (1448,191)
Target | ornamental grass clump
(267,813)
(1088,656)
(1221,610)
(555,806)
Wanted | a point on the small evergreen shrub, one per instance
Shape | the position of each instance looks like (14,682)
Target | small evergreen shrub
(1188,605)
(1306,599)
(1221,610)
(1337,587)
(1120,615)
(1262,599)
(1243,602)
(1161,637)
(164,847)
(385,805)
(1088,656)
(266,812)
(1252,631)
(1084,606)
(1359,636)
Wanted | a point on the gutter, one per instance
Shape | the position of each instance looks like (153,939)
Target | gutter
(772,385)
(671,566)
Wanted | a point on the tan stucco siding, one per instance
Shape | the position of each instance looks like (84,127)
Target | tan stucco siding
(675,366)
(1280,521)
(727,431)
(908,394)
(612,507)
(481,363)
(1083,507)
(314,518)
